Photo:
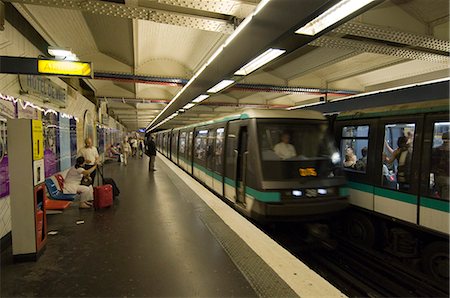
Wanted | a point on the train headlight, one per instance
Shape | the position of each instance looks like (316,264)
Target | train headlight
(322,191)
(297,193)
(335,158)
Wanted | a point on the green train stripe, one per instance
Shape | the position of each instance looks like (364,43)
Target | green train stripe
(262,196)
(360,186)
(434,204)
(396,195)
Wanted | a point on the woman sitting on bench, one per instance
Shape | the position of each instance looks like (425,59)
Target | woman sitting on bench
(72,183)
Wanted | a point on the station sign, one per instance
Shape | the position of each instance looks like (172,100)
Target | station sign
(69,68)
(37,66)
(44,88)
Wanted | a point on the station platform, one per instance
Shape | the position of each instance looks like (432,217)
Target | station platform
(166,235)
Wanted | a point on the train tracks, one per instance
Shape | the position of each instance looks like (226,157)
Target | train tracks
(360,272)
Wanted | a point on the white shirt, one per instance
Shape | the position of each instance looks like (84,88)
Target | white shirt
(89,154)
(73,179)
(284,150)
(134,143)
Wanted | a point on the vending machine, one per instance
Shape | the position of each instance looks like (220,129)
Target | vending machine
(27,188)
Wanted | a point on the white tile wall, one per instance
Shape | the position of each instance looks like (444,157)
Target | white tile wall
(12,43)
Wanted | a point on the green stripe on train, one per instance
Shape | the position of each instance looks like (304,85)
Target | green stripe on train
(383,192)
(434,204)
(360,186)
(396,195)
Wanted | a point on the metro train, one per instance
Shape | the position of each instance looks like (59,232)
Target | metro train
(399,205)
(270,165)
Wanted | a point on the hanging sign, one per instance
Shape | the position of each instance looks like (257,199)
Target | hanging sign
(43,88)
(61,67)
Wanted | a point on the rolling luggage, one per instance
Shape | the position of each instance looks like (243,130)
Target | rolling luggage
(110,181)
(103,196)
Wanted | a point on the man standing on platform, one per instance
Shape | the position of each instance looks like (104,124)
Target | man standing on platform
(90,155)
(150,151)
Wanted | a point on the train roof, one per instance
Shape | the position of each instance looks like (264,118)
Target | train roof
(441,105)
(261,114)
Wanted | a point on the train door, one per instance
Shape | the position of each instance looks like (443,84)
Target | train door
(400,144)
(242,159)
(209,177)
(434,191)
(189,151)
(236,161)
(218,161)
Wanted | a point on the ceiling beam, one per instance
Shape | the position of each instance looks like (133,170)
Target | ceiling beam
(206,23)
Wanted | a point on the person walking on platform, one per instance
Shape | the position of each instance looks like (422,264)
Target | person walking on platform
(126,150)
(91,157)
(150,151)
(134,146)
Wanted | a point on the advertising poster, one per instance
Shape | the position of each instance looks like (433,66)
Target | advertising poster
(4,174)
(64,141)
(7,110)
(101,140)
(73,140)
(51,143)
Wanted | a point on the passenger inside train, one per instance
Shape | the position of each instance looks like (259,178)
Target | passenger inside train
(285,149)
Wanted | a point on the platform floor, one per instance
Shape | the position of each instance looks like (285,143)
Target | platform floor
(159,239)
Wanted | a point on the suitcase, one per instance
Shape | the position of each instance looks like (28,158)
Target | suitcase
(109,181)
(103,196)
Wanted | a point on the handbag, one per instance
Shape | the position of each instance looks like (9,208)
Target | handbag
(86,181)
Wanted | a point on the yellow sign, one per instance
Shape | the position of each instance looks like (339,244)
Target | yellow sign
(59,67)
(307,172)
(38,139)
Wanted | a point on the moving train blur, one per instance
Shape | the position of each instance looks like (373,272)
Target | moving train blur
(271,165)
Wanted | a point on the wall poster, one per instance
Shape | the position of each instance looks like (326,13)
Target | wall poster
(73,140)
(51,143)
(8,110)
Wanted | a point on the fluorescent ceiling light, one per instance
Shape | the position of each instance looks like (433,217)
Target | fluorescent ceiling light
(200,98)
(220,86)
(332,16)
(188,106)
(60,52)
(259,61)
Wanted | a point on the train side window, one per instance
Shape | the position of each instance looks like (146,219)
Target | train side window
(438,183)
(219,149)
(201,144)
(182,148)
(397,155)
(354,148)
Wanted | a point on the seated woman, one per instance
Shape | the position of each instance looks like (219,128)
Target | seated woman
(113,152)
(73,180)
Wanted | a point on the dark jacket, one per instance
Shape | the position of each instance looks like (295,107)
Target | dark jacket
(150,147)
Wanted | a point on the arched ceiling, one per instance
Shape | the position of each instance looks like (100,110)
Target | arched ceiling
(394,43)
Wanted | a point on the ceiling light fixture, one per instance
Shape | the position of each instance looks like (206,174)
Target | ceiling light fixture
(259,61)
(230,38)
(220,86)
(200,98)
(62,53)
(333,15)
(188,106)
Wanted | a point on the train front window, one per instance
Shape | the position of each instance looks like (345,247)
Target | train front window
(439,183)
(296,149)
